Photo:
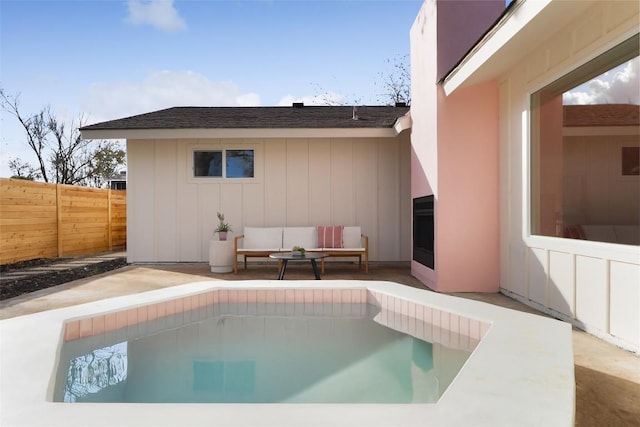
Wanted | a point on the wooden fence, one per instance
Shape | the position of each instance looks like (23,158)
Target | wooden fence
(40,220)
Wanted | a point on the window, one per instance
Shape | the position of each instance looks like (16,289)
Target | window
(584,151)
(223,163)
(239,163)
(207,163)
(630,163)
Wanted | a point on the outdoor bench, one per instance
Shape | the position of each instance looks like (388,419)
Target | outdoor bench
(334,241)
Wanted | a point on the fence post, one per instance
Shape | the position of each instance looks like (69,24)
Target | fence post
(109,221)
(59,218)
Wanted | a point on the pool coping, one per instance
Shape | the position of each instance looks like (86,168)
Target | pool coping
(521,372)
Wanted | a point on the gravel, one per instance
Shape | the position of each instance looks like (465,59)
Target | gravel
(10,287)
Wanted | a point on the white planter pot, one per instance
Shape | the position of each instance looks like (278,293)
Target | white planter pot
(221,256)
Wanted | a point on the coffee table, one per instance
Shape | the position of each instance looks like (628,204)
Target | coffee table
(285,257)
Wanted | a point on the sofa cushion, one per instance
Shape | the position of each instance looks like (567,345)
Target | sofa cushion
(259,251)
(600,233)
(623,234)
(330,236)
(262,237)
(304,237)
(352,237)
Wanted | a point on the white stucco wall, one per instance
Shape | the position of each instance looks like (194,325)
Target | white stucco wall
(298,182)
(594,285)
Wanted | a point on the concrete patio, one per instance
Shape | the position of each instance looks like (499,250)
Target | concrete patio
(607,378)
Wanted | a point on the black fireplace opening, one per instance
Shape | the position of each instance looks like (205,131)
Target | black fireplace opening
(423,231)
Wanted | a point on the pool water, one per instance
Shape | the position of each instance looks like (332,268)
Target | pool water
(288,353)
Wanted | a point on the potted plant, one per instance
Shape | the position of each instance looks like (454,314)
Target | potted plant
(223,227)
(298,251)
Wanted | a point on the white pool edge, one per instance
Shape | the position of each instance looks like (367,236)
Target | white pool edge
(521,373)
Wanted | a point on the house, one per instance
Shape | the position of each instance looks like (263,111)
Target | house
(509,174)
(118,182)
(492,184)
(263,166)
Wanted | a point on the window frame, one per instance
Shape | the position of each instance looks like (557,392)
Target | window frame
(222,148)
(623,176)
(530,159)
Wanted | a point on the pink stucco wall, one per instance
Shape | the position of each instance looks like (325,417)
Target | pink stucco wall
(467,243)
(455,158)
(548,220)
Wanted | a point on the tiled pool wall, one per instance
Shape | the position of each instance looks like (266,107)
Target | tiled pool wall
(428,323)
(415,319)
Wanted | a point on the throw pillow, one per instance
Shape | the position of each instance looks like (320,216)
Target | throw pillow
(330,236)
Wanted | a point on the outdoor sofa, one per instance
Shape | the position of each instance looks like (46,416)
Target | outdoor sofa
(334,241)
(622,234)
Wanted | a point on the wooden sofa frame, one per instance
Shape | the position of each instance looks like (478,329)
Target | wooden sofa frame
(342,252)
(350,253)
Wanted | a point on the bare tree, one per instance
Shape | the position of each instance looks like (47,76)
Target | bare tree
(36,128)
(70,155)
(22,170)
(396,83)
(63,156)
(333,99)
(394,86)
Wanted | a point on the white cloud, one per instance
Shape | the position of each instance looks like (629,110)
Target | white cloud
(160,90)
(620,85)
(248,100)
(160,14)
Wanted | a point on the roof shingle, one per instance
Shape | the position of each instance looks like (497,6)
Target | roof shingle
(258,118)
(601,115)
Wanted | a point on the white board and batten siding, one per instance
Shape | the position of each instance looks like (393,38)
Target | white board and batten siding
(298,182)
(594,285)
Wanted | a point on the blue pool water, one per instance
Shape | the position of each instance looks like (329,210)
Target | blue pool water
(286,354)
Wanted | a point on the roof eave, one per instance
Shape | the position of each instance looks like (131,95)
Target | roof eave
(245,133)
(403,123)
(525,26)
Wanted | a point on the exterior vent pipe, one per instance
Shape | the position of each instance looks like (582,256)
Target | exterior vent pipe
(355,113)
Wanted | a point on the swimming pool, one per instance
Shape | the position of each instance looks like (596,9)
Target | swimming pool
(521,372)
(313,352)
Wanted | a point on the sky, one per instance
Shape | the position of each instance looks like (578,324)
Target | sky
(107,59)
(620,85)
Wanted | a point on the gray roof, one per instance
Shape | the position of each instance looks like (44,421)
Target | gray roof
(258,118)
